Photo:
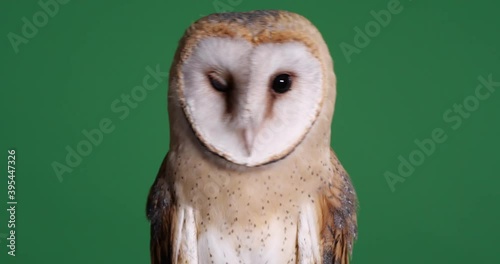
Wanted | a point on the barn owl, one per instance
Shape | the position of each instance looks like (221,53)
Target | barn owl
(250,176)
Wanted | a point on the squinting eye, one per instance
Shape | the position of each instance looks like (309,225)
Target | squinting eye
(218,84)
(282,83)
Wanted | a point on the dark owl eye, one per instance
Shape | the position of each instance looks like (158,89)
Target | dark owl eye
(217,83)
(282,83)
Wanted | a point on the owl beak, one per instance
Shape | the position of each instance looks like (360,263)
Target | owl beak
(249,137)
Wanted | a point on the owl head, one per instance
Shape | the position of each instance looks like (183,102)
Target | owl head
(250,87)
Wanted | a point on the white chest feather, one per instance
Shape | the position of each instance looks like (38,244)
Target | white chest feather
(279,241)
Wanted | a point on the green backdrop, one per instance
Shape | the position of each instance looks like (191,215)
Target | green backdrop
(416,123)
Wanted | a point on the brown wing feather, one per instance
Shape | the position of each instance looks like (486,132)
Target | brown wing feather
(160,211)
(339,204)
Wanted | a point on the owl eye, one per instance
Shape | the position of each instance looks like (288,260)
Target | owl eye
(282,83)
(217,83)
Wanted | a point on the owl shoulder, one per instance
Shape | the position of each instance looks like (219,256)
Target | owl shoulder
(160,212)
(339,219)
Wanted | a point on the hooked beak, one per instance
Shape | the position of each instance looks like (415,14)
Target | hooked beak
(250,118)
(248,137)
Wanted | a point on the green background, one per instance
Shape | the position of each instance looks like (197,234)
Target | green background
(396,90)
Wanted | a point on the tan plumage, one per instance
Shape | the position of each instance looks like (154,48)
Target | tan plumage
(209,205)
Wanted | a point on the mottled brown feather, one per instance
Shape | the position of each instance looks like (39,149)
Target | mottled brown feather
(160,211)
(339,204)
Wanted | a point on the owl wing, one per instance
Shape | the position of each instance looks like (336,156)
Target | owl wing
(160,212)
(338,204)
